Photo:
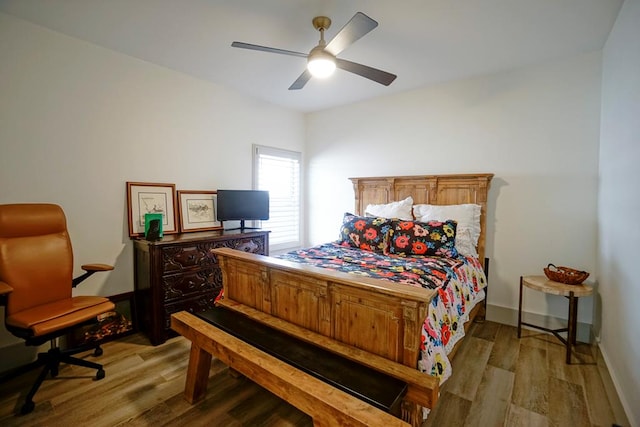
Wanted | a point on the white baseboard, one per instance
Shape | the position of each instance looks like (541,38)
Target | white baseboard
(623,414)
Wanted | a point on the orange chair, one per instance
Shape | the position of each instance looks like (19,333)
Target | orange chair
(36,278)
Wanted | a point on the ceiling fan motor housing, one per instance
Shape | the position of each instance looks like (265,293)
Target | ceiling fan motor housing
(321,63)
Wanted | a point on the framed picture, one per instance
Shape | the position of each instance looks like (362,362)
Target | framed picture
(197,210)
(144,198)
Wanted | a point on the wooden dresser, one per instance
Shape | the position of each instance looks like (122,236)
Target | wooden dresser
(179,272)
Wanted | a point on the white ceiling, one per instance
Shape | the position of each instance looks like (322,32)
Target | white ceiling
(422,41)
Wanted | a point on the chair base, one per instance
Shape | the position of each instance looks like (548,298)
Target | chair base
(51,361)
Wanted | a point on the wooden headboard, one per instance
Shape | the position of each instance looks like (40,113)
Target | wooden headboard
(429,189)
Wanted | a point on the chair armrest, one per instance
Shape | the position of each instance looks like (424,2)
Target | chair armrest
(90,269)
(4,291)
(97,267)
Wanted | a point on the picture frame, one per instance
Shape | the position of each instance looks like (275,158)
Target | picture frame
(197,211)
(148,197)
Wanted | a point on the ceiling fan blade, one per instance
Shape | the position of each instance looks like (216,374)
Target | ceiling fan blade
(268,49)
(353,30)
(374,74)
(301,81)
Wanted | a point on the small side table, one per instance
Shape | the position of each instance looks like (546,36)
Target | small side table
(572,292)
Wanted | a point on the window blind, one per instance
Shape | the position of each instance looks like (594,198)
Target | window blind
(278,172)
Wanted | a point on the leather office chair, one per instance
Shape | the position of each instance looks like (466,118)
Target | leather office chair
(36,278)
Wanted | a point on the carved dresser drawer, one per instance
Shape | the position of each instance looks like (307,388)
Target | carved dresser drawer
(191,282)
(176,259)
(179,272)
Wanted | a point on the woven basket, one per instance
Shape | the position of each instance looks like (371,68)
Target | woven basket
(565,275)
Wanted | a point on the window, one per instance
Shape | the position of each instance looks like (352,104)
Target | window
(278,172)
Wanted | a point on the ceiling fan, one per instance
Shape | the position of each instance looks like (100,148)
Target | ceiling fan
(322,60)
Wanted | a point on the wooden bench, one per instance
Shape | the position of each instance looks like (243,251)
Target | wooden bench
(374,387)
(324,386)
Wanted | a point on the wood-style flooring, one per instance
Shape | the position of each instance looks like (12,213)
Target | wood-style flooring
(498,380)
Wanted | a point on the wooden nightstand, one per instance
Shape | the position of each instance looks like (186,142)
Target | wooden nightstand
(572,292)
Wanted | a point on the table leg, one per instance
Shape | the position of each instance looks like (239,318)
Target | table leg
(197,374)
(575,321)
(571,327)
(520,310)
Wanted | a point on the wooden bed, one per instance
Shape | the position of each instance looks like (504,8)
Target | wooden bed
(349,313)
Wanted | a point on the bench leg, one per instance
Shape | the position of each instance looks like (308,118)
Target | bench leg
(197,374)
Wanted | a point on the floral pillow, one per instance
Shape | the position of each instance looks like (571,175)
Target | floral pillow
(423,238)
(366,233)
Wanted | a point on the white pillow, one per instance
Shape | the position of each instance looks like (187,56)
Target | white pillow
(464,243)
(467,216)
(400,210)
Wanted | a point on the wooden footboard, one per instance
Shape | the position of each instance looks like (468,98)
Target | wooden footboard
(353,310)
(380,317)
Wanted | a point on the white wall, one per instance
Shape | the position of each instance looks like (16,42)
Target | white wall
(77,121)
(535,128)
(619,207)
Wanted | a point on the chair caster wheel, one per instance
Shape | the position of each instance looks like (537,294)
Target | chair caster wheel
(27,407)
(54,373)
(97,351)
(100,374)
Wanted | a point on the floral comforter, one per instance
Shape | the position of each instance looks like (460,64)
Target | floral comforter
(460,283)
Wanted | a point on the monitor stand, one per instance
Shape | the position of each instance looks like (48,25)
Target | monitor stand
(242,227)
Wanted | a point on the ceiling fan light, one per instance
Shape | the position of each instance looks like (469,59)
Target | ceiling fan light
(321,65)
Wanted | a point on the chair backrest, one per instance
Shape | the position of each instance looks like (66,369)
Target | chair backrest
(36,258)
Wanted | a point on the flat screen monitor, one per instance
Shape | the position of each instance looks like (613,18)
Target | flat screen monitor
(242,205)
